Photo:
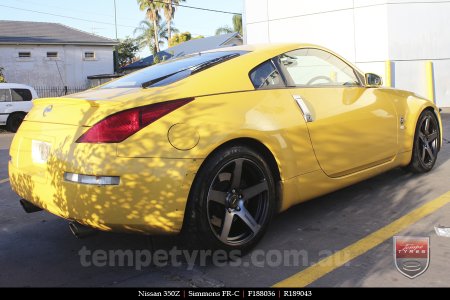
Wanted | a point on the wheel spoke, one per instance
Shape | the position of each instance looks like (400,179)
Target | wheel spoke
(248,219)
(427,126)
(217,196)
(432,136)
(226,226)
(237,173)
(430,153)
(424,153)
(423,137)
(255,190)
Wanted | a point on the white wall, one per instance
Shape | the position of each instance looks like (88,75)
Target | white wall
(367,32)
(332,24)
(42,71)
(420,32)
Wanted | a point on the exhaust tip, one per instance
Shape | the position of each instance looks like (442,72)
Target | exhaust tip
(80,231)
(28,207)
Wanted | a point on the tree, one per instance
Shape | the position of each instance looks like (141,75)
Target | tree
(169,8)
(147,35)
(152,10)
(224,30)
(126,51)
(237,26)
(180,38)
(2,77)
(183,37)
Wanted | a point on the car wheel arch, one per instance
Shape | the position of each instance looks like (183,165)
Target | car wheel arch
(420,111)
(259,147)
(191,214)
(433,111)
(17,113)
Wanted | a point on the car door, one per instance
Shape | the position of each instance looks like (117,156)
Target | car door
(351,127)
(5,104)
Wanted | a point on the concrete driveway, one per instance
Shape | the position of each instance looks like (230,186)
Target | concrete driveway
(350,230)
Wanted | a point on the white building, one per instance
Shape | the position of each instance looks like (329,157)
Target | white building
(52,55)
(409,34)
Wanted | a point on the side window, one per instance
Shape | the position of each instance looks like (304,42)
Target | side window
(266,76)
(313,67)
(21,95)
(5,95)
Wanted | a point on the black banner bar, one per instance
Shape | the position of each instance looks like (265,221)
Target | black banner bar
(204,293)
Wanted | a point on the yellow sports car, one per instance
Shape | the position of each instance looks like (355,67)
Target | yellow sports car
(216,143)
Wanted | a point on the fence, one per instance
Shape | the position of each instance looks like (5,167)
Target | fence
(57,91)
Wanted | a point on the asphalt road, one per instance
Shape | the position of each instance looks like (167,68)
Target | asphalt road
(39,250)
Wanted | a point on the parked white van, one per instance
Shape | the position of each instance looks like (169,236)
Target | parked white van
(15,102)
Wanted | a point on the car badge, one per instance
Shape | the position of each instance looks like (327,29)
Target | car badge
(47,110)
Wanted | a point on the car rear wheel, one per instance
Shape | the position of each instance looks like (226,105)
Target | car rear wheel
(14,121)
(426,143)
(233,199)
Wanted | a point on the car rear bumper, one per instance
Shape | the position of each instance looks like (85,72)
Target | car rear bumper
(150,198)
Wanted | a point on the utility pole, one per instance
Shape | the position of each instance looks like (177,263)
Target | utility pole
(115,16)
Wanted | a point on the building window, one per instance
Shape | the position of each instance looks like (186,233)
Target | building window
(24,54)
(52,54)
(89,55)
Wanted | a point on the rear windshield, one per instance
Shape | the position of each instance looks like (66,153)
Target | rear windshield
(173,70)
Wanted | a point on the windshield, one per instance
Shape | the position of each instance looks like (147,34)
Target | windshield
(172,70)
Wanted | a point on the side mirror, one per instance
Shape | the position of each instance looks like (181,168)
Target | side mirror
(373,80)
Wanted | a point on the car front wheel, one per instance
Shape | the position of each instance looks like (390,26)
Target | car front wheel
(426,143)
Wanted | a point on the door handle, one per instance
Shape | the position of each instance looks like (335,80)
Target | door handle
(8,105)
(304,108)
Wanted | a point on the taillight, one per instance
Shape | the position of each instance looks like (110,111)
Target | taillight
(120,126)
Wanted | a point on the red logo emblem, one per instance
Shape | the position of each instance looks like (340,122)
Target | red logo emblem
(411,255)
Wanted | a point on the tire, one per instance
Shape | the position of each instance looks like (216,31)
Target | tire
(426,143)
(227,212)
(14,121)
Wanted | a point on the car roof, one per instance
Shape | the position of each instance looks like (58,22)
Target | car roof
(15,85)
(265,47)
(273,49)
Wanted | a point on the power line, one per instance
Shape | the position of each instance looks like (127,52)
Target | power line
(92,21)
(72,10)
(62,16)
(199,8)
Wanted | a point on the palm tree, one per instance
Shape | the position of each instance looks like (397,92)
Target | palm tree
(152,10)
(147,35)
(169,12)
(224,30)
(237,23)
(237,26)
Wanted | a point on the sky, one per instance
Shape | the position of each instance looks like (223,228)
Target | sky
(98,15)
